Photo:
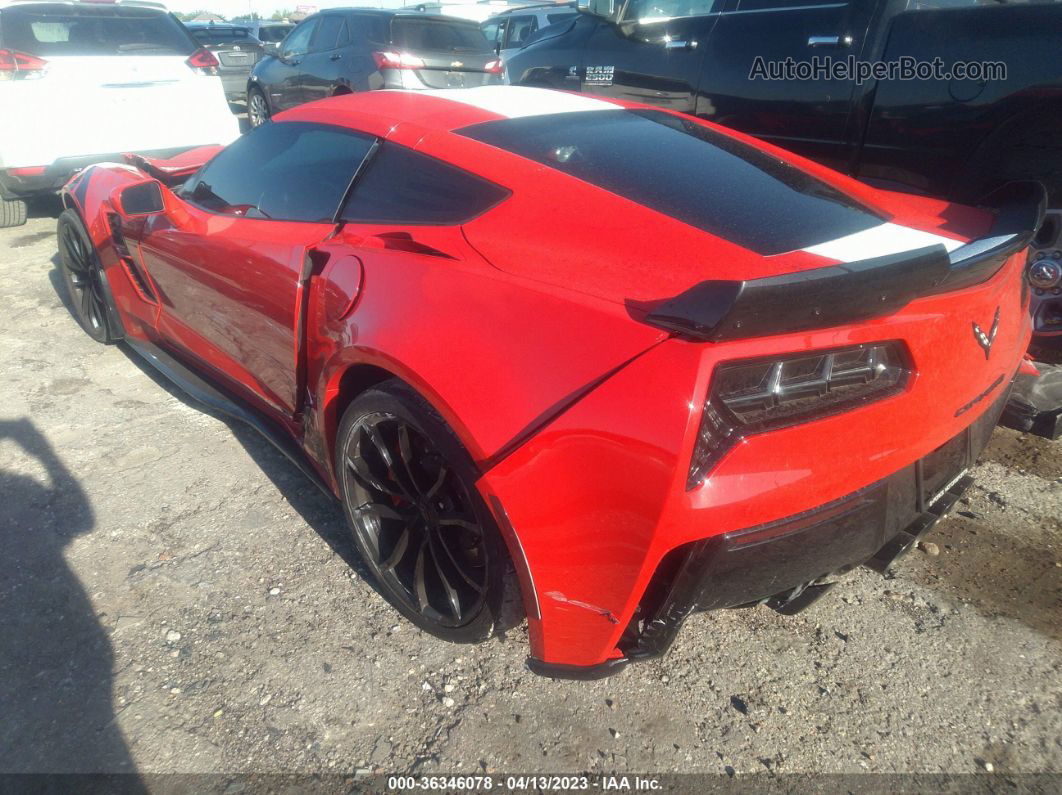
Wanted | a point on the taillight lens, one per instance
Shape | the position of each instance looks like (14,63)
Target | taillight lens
(203,62)
(759,395)
(494,67)
(20,66)
(391,59)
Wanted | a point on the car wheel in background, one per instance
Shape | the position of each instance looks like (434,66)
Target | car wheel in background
(12,212)
(420,525)
(257,108)
(84,278)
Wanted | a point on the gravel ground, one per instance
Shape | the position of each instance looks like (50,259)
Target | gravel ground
(176,597)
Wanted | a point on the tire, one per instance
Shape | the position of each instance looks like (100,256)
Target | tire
(12,213)
(257,108)
(408,491)
(84,279)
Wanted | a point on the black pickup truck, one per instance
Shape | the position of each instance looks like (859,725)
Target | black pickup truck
(942,136)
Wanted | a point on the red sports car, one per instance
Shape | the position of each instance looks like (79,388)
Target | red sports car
(593,362)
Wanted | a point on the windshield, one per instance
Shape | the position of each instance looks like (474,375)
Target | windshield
(49,31)
(437,35)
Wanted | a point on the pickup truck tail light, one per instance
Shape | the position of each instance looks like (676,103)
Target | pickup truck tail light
(20,65)
(392,59)
(203,62)
(759,395)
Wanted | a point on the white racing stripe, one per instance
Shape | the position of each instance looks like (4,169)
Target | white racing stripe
(880,241)
(516,101)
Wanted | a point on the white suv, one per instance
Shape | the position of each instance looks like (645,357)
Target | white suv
(84,82)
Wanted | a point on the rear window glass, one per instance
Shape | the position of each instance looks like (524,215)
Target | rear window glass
(688,171)
(405,187)
(291,171)
(220,35)
(437,35)
(50,31)
(555,18)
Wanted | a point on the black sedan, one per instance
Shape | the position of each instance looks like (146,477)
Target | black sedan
(237,51)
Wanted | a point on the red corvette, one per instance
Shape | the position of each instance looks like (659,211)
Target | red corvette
(593,362)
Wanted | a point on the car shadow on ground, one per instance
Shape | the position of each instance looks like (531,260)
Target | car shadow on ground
(56,659)
(323,513)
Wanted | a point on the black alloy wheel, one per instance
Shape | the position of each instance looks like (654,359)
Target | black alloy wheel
(84,278)
(418,522)
(257,108)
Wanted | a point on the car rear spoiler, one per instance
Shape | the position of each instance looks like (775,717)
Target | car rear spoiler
(176,169)
(720,310)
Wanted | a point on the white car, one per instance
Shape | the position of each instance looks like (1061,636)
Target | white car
(85,82)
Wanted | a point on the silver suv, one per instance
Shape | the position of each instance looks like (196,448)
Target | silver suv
(511,30)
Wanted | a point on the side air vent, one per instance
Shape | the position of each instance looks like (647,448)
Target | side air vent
(129,265)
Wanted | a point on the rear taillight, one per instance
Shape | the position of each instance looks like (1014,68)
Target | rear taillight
(20,65)
(758,395)
(392,59)
(203,62)
(494,67)
(27,171)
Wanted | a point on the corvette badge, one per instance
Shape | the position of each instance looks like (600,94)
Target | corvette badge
(986,340)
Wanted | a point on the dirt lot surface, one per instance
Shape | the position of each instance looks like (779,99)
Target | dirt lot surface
(176,597)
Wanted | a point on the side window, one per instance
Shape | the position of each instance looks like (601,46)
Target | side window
(645,10)
(298,41)
(285,171)
(401,186)
(375,29)
(520,30)
(932,5)
(778,5)
(555,18)
(491,31)
(326,36)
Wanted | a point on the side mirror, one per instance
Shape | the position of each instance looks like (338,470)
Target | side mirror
(141,198)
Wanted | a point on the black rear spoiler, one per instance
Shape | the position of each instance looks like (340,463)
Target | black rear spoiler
(854,291)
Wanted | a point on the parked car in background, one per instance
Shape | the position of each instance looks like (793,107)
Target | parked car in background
(343,50)
(511,30)
(714,374)
(270,33)
(237,51)
(82,82)
(942,136)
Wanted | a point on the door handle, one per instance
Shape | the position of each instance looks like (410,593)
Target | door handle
(335,56)
(678,44)
(829,41)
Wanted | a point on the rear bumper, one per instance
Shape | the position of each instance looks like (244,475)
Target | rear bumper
(59,172)
(235,84)
(783,563)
